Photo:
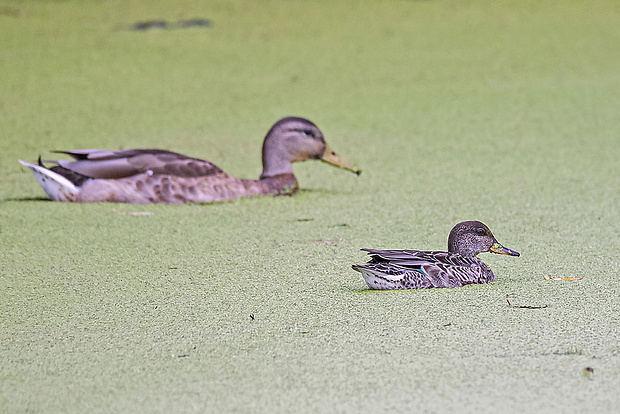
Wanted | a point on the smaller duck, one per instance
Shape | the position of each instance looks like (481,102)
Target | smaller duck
(414,269)
(149,176)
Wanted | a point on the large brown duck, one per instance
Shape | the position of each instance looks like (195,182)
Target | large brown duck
(149,176)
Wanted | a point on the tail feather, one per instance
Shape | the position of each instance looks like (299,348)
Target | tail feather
(57,187)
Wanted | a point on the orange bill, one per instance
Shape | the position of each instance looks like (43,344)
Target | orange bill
(499,249)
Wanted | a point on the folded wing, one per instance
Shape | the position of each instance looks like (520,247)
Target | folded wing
(126,163)
(417,258)
(438,269)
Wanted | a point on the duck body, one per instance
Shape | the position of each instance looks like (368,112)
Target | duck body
(149,176)
(415,269)
(171,189)
(145,176)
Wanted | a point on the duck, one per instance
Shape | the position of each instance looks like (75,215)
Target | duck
(152,176)
(416,269)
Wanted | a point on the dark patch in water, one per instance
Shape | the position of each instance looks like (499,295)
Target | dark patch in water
(10,11)
(27,199)
(144,25)
(188,24)
(149,25)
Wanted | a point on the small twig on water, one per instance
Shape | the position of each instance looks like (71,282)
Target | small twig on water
(525,306)
(569,279)
(532,307)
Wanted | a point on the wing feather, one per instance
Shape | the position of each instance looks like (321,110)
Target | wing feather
(440,269)
(125,163)
(417,257)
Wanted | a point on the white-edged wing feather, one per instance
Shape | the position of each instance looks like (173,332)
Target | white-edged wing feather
(57,187)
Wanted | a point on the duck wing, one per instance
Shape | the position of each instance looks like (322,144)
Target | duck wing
(442,269)
(417,258)
(126,163)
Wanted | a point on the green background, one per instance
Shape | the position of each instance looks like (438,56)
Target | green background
(505,112)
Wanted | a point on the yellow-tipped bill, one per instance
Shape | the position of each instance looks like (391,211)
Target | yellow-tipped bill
(330,157)
(499,249)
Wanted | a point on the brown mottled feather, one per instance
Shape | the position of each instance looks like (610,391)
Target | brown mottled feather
(415,269)
(427,269)
(171,189)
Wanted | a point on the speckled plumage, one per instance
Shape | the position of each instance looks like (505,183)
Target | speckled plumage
(148,176)
(414,269)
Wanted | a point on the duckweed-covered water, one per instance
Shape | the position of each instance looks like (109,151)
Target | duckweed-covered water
(502,112)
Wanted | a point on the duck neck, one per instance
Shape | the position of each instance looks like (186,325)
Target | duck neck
(467,253)
(464,251)
(275,162)
(276,158)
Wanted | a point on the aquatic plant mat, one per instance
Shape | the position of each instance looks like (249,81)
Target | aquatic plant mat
(504,112)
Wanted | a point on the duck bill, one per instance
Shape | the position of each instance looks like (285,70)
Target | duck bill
(330,157)
(499,249)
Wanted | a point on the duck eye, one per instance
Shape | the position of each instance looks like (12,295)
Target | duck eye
(308,132)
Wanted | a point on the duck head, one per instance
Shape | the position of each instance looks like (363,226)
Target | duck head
(295,139)
(469,238)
